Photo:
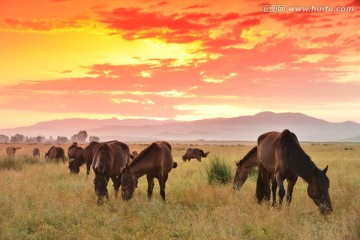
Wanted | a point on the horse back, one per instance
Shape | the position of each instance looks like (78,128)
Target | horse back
(266,153)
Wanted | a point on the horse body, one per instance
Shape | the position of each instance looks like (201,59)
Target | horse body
(155,162)
(85,157)
(282,155)
(55,153)
(107,163)
(36,152)
(10,151)
(75,162)
(194,153)
(72,149)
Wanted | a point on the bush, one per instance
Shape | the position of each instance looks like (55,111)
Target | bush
(219,171)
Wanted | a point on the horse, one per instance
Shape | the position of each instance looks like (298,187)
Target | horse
(55,153)
(10,151)
(36,152)
(156,162)
(76,153)
(85,157)
(281,154)
(194,153)
(72,149)
(243,167)
(107,163)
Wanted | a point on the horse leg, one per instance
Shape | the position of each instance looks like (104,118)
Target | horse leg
(273,188)
(279,181)
(100,186)
(150,181)
(259,187)
(162,181)
(88,165)
(117,182)
(290,188)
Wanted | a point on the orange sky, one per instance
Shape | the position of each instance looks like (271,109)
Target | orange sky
(181,60)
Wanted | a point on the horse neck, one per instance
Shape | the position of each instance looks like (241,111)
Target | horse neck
(303,165)
(138,167)
(250,160)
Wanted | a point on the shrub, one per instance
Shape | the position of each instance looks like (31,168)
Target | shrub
(219,171)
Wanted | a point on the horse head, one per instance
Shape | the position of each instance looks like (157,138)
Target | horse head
(241,175)
(74,168)
(128,183)
(318,190)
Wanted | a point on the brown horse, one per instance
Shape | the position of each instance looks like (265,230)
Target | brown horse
(10,151)
(194,153)
(55,153)
(72,149)
(108,161)
(282,155)
(76,153)
(36,152)
(156,162)
(244,166)
(85,157)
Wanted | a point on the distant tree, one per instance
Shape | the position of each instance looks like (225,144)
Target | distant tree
(61,139)
(94,139)
(4,139)
(17,138)
(39,139)
(79,137)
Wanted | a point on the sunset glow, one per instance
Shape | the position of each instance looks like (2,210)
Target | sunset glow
(181,60)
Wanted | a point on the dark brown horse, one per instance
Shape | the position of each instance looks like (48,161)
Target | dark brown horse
(55,153)
(72,149)
(194,153)
(244,166)
(76,153)
(282,155)
(156,162)
(86,157)
(108,161)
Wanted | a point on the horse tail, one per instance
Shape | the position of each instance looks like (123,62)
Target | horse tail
(260,188)
(175,165)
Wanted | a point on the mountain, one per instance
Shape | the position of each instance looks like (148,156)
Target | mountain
(243,128)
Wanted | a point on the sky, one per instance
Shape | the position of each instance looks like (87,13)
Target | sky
(178,60)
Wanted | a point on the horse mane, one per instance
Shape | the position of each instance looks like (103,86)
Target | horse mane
(141,155)
(297,160)
(247,156)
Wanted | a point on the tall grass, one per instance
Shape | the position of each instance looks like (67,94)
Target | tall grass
(43,201)
(16,163)
(219,171)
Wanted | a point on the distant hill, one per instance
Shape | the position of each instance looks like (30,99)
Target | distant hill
(243,128)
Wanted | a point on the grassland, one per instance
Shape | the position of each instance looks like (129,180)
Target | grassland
(41,200)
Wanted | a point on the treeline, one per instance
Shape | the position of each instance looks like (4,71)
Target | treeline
(80,137)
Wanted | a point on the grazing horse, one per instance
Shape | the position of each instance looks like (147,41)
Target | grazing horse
(77,154)
(85,157)
(72,149)
(36,152)
(108,161)
(194,153)
(55,153)
(156,162)
(244,166)
(10,151)
(282,155)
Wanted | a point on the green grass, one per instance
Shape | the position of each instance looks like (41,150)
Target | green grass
(17,163)
(43,201)
(219,171)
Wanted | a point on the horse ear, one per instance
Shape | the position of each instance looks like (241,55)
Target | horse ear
(236,163)
(325,169)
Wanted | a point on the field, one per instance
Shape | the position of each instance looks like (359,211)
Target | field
(41,200)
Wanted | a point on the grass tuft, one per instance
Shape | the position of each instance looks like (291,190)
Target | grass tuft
(219,171)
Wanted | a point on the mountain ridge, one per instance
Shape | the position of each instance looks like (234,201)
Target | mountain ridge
(242,128)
